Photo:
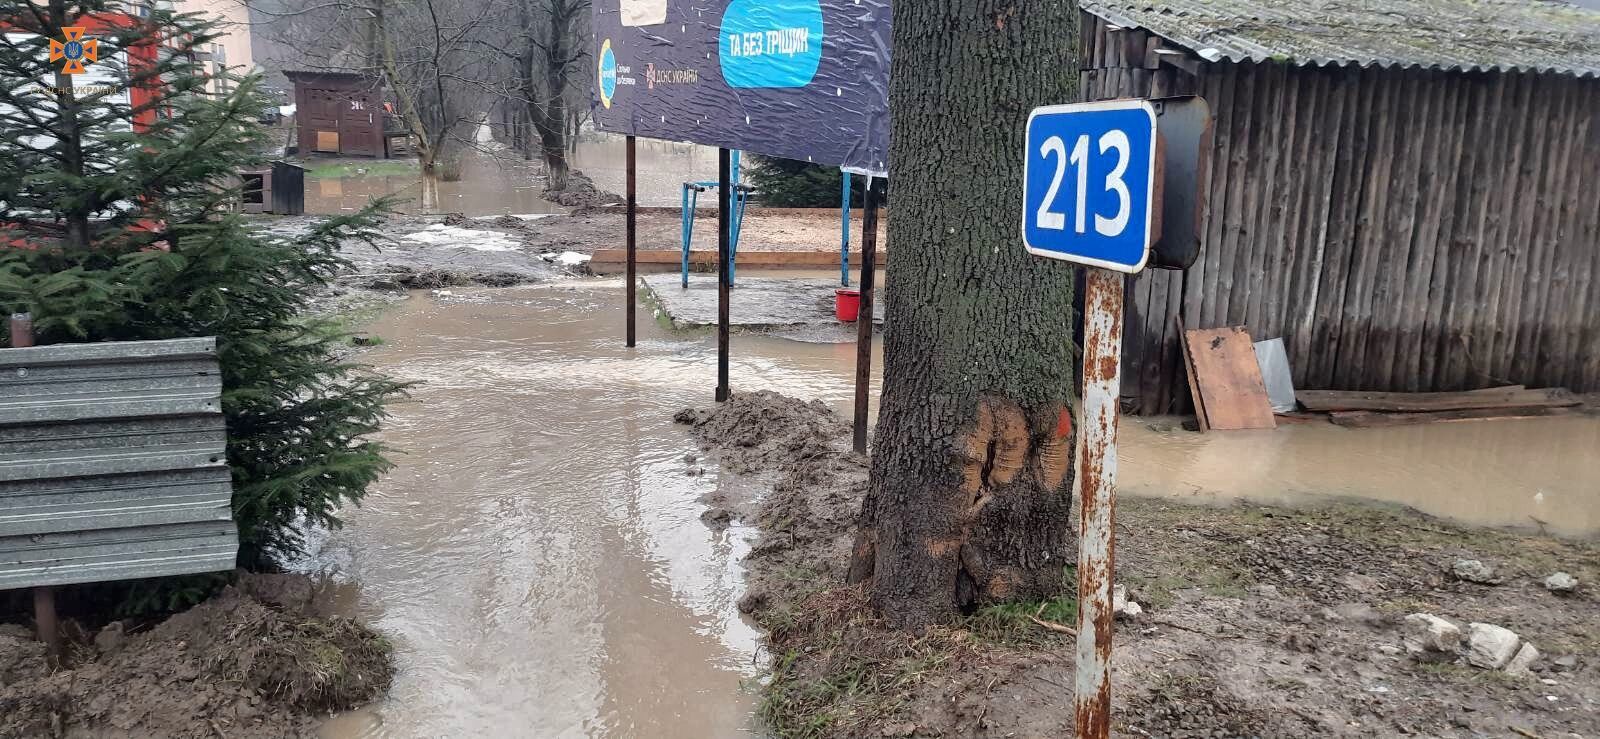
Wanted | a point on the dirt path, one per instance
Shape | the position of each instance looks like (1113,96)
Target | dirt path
(1258,621)
(257,660)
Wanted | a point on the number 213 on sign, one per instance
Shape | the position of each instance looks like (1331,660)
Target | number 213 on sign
(1087,192)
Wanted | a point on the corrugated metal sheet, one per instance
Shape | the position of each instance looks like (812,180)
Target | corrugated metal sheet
(1472,35)
(112,463)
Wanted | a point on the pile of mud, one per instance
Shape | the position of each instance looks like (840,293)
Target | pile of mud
(807,517)
(251,662)
(581,192)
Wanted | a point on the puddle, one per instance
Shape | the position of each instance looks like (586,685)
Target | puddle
(538,559)
(1527,473)
(537,556)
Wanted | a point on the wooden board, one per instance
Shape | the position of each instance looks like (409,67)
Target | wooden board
(1223,367)
(1513,397)
(1188,368)
(1373,419)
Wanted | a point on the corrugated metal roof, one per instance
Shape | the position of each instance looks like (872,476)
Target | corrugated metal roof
(112,463)
(1471,35)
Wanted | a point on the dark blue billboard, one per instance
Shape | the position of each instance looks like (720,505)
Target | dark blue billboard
(802,79)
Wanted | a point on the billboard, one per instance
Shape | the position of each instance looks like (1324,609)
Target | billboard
(802,79)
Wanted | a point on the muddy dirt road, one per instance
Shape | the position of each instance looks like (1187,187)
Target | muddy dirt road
(539,558)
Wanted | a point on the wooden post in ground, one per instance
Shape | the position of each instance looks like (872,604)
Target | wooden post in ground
(44,596)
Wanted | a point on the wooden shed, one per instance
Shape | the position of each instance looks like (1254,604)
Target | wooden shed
(338,113)
(1406,191)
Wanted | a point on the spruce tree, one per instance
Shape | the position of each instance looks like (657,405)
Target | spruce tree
(115,225)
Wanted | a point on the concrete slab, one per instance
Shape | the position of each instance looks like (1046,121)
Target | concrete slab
(796,307)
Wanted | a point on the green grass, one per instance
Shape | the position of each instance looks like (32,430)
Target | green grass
(855,688)
(376,168)
(1012,623)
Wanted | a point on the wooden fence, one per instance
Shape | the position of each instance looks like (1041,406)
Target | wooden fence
(1401,229)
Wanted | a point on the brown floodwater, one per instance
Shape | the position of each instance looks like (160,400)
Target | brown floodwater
(499,184)
(1534,473)
(537,555)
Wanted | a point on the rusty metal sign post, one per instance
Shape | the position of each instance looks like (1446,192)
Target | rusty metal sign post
(1095,486)
(1095,191)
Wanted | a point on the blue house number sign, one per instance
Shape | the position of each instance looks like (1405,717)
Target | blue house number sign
(1088,183)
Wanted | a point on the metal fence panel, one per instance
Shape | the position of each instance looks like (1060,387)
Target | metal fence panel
(112,463)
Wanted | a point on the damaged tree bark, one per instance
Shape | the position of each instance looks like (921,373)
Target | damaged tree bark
(969,493)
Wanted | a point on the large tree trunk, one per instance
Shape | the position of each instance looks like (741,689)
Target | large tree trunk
(969,494)
(553,124)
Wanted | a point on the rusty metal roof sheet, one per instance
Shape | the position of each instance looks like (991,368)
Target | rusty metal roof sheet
(1467,35)
(112,463)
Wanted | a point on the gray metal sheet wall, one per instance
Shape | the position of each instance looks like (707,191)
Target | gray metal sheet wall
(112,463)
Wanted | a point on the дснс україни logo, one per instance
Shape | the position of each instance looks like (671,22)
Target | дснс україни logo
(608,73)
(74,49)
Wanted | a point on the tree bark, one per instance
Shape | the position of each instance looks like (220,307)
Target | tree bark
(552,124)
(970,487)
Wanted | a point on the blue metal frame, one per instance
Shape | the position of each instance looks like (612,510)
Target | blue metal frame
(844,229)
(691,199)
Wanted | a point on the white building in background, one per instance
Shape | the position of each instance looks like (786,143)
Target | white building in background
(231,51)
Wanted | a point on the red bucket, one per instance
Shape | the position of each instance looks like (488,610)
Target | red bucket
(846,304)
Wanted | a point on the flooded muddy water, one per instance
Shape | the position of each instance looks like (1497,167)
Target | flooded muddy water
(488,186)
(497,185)
(1527,473)
(662,166)
(537,555)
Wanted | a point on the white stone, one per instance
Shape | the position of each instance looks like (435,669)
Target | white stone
(1427,632)
(1124,607)
(1490,646)
(1561,582)
(1525,658)
(1472,570)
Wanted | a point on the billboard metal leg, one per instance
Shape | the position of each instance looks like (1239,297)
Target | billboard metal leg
(633,278)
(1095,485)
(869,263)
(724,276)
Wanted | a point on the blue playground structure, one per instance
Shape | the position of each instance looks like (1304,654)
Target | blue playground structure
(741,196)
(691,199)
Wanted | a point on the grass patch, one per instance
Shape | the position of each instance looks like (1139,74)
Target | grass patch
(1451,672)
(1012,624)
(865,674)
(376,168)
